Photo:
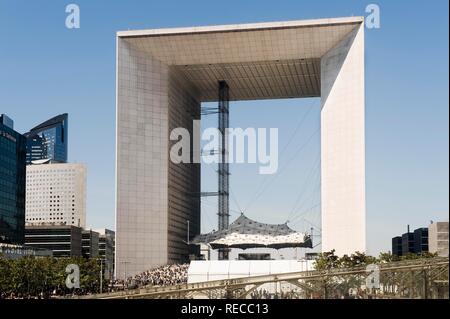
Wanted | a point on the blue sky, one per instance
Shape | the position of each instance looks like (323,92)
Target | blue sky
(47,69)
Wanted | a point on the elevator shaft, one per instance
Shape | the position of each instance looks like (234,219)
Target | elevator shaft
(223,171)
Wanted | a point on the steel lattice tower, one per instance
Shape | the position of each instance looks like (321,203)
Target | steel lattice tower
(224,175)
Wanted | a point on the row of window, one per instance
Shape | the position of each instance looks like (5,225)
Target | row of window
(51,218)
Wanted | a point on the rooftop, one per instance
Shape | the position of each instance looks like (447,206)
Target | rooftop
(258,60)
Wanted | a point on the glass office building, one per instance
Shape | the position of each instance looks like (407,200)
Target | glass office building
(421,240)
(90,243)
(62,240)
(397,246)
(12,183)
(106,250)
(48,140)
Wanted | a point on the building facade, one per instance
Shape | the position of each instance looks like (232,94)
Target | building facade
(56,194)
(63,241)
(397,247)
(408,243)
(106,250)
(12,183)
(415,242)
(421,240)
(48,140)
(6,121)
(438,238)
(162,78)
(90,244)
(36,148)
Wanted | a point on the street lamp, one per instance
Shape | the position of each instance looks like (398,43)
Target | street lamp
(125,263)
(101,275)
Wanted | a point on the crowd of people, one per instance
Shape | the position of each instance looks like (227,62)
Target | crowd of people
(166,275)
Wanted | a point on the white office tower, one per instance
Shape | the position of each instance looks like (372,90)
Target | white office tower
(56,194)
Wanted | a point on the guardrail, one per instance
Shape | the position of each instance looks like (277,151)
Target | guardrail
(148,292)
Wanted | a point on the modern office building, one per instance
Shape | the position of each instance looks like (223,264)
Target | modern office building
(421,240)
(438,238)
(36,148)
(397,246)
(63,241)
(56,194)
(408,243)
(90,243)
(48,140)
(106,250)
(12,183)
(164,75)
(411,242)
(6,121)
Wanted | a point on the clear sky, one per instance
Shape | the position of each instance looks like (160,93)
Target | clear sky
(47,69)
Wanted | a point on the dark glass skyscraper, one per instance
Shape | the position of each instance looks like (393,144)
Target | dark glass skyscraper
(421,240)
(48,140)
(397,246)
(12,183)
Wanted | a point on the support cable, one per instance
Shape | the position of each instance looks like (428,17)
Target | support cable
(291,138)
(316,165)
(311,197)
(274,177)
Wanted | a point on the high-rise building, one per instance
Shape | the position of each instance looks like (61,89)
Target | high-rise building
(89,243)
(411,242)
(6,121)
(438,238)
(397,246)
(106,247)
(12,183)
(421,240)
(48,140)
(36,148)
(56,194)
(62,240)
(407,243)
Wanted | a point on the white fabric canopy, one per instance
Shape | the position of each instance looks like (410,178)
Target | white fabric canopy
(246,233)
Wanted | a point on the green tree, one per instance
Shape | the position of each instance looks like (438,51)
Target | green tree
(39,276)
(385,257)
(326,260)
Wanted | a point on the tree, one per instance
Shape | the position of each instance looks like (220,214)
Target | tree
(40,276)
(385,257)
(326,260)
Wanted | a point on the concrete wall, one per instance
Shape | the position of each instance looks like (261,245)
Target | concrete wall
(342,146)
(155,198)
(141,161)
(438,238)
(209,270)
(184,178)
